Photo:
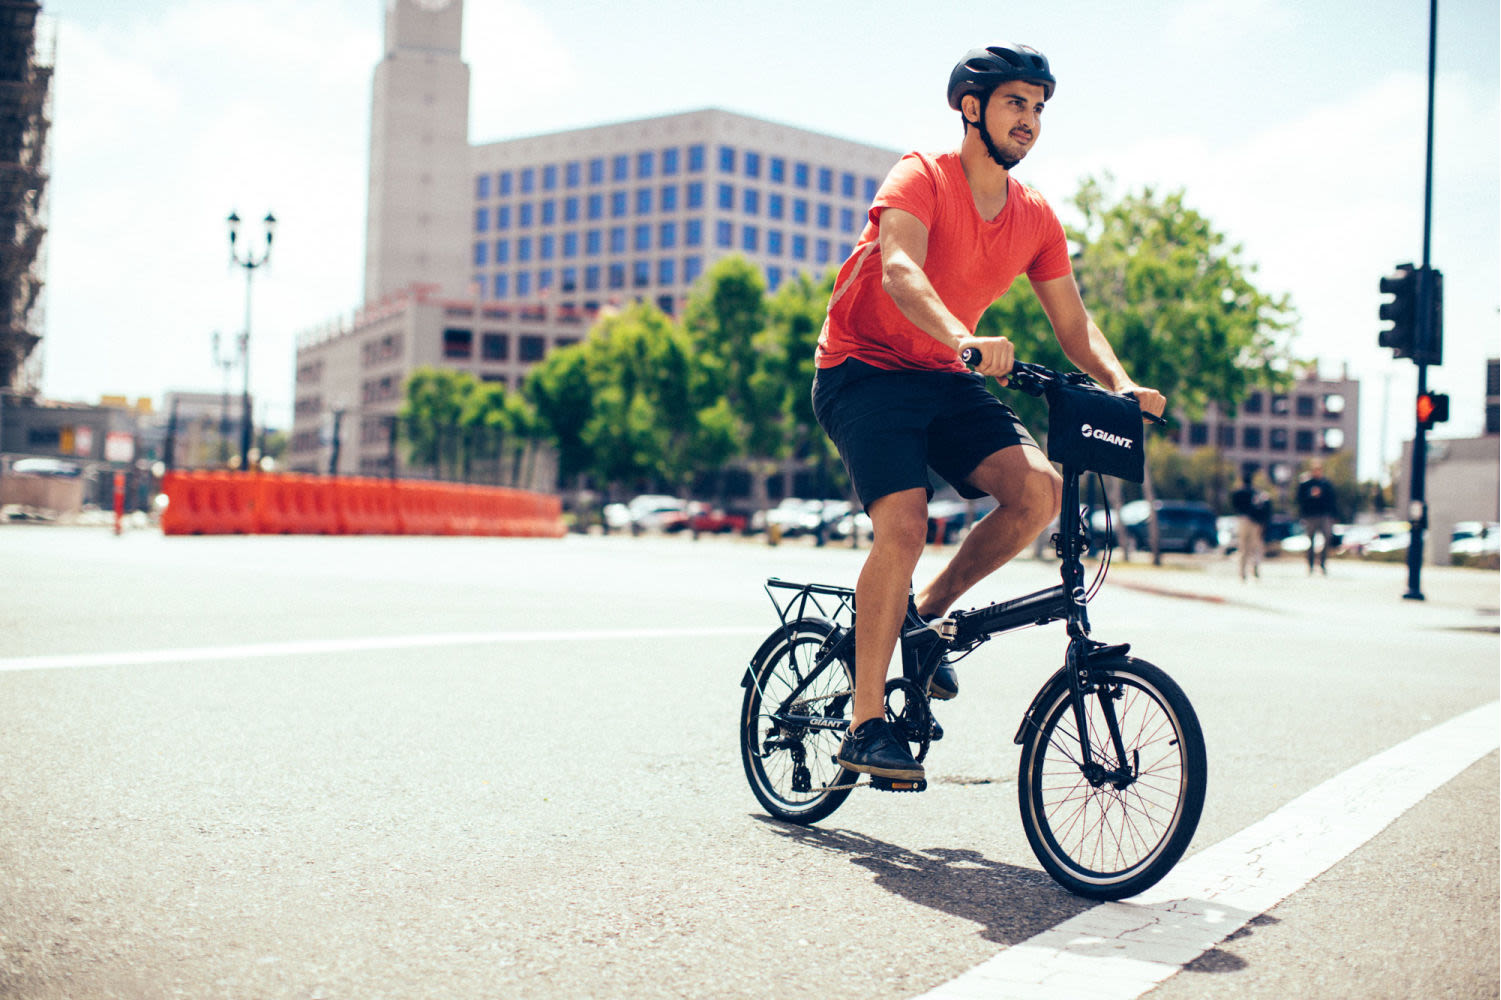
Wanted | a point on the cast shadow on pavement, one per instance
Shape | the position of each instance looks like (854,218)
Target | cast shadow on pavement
(1011,903)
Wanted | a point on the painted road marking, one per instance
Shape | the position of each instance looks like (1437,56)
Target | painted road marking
(317,647)
(1118,951)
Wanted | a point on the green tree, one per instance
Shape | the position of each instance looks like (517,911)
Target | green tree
(794,319)
(437,402)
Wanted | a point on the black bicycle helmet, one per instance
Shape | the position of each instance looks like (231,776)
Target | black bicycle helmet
(981,70)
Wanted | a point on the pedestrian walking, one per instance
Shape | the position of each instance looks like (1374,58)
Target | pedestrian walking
(1253,510)
(1316,507)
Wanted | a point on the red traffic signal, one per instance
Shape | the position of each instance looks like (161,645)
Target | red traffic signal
(1433,408)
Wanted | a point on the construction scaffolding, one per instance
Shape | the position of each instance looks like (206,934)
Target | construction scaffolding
(27,47)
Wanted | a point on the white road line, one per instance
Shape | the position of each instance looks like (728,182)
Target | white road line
(315,647)
(1118,951)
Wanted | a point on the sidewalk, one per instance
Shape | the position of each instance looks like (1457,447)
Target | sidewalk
(1453,597)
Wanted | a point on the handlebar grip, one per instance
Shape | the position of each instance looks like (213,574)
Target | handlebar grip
(970,356)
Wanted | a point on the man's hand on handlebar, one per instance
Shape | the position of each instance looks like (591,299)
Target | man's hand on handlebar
(996,355)
(1152,402)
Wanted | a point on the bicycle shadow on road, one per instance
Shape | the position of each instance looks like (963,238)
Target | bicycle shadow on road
(1011,903)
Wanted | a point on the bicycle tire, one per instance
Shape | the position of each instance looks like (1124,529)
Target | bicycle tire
(771,754)
(1097,840)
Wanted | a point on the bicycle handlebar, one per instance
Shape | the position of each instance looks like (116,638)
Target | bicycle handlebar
(1034,380)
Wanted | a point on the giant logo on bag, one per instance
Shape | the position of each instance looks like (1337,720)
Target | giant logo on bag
(1103,435)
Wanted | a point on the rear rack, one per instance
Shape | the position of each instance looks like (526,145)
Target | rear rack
(836,604)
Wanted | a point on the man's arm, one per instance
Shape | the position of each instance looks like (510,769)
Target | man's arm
(904,250)
(1085,345)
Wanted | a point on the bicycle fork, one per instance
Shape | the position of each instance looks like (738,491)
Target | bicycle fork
(1081,682)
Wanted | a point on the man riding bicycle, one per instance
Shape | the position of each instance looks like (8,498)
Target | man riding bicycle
(947,235)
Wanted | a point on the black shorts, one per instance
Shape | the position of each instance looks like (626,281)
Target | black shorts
(892,426)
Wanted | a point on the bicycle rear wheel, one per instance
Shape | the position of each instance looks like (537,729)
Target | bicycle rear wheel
(1112,837)
(791,767)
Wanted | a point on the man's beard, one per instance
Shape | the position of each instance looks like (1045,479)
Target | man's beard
(1006,160)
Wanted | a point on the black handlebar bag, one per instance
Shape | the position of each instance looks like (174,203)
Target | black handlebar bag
(1095,431)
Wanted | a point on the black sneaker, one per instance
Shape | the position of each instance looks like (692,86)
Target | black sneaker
(874,749)
(945,683)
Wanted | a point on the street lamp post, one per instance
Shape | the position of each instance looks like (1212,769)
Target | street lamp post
(226,361)
(249,262)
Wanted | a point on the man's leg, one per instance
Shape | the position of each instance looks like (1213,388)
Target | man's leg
(899,523)
(1030,494)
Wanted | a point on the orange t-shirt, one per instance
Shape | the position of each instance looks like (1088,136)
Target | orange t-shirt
(971,262)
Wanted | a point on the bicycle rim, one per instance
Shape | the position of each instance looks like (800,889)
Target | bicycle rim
(1102,841)
(791,770)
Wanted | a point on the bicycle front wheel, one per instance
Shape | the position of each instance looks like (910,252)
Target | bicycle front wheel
(1107,828)
(789,763)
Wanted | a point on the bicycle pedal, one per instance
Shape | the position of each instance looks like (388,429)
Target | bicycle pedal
(897,784)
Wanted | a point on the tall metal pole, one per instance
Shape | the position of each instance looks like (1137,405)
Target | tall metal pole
(1418,498)
(249,262)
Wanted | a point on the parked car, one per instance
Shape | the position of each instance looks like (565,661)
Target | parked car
(703,519)
(648,512)
(952,518)
(1183,526)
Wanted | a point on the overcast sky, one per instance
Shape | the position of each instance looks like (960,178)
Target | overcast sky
(1297,128)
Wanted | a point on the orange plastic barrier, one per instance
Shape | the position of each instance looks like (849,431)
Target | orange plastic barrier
(217,503)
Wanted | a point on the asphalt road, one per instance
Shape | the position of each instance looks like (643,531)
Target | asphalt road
(393,767)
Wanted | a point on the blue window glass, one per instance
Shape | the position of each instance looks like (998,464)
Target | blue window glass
(670,158)
(774,242)
(597,170)
(727,197)
(825,215)
(693,233)
(617,204)
(596,206)
(544,280)
(481,220)
(641,274)
(800,174)
(667,235)
(591,278)
(692,268)
(570,245)
(845,249)
(800,211)
(825,180)
(501,286)
(750,239)
(524,249)
(528,180)
(774,206)
(573,173)
(777,169)
(773,278)
(549,213)
(571,209)
(643,201)
(645,165)
(751,202)
(727,159)
(641,238)
(871,186)
(547,247)
(847,185)
(503,217)
(524,214)
(617,275)
(695,195)
(550,177)
(822,254)
(481,253)
(523,284)
(667,271)
(593,242)
(482,187)
(502,251)
(505,183)
(620,168)
(695,159)
(752,164)
(846,220)
(669,198)
(799,247)
(570,279)
(617,239)
(724,234)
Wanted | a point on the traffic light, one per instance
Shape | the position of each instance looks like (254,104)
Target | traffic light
(1401,311)
(1433,408)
